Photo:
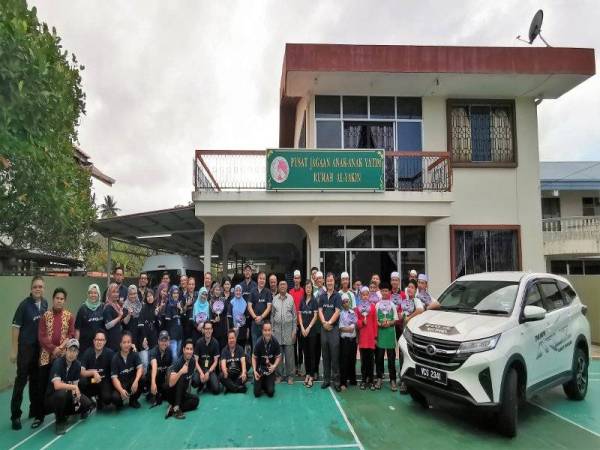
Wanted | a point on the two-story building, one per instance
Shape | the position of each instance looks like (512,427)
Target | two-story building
(461,189)
(571,216)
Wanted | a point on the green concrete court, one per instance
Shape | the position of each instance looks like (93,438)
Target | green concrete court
(298,418)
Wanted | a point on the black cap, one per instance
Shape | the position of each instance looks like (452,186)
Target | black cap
(164,336)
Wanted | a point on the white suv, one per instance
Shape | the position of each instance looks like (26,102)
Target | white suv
(498,338)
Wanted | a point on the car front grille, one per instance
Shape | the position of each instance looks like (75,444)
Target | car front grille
(445,356)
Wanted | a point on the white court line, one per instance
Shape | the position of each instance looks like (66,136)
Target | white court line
(348,424)
(59,436)
(31,435)
(283,447)
(565,419)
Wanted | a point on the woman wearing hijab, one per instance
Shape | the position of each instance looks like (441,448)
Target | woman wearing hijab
(113,315)
(201,312)
(148,327)
(89,319)
(173,314)
(239,315)
(131,323)
(162,298)
(218,308)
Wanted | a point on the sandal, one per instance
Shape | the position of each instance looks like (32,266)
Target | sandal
(309,384)
(363,386)
(378,384)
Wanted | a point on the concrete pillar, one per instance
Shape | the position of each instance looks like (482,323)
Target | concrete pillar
(312,234)
(437,255)
(209,232)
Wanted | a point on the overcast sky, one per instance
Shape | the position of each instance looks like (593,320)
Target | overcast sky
(164,78)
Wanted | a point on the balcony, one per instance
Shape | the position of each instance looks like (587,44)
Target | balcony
(245,170)
(571,235)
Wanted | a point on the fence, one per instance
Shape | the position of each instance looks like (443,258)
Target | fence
(245,170)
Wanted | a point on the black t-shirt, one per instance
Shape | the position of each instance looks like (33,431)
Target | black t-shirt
(101,363)
(247,288)
(64,372)
(233,362)
(329,304)
(307,312)
(113,335)
(266,351)
(260,300)
(206,352)
(173,319)
(27,317)
(88,322)
(125,369)
(163,361)
(189,312)
(176,367)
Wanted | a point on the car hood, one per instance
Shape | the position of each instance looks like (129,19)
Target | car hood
(457,326)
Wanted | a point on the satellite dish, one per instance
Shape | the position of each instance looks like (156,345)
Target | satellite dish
(535,29)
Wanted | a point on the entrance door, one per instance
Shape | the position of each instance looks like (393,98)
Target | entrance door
(364,263)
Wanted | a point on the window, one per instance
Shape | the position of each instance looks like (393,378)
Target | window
(476,249)
(591,206)
(533,297)
(575,267)
(389,123)
(302,137)
(553,299)
(363,250)
(567,292)
(550,207)
(558,267)
(482,132)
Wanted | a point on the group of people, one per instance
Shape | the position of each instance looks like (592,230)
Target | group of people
(163,342)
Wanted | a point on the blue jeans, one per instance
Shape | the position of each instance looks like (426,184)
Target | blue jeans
(145,361)
(175,346)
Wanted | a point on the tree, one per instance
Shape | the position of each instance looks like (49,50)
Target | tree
(130,257)
(45,200)
(109,207)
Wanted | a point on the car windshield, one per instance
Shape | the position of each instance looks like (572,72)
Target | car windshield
(480,297)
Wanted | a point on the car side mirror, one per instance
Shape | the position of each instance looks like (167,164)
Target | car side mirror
(532,313)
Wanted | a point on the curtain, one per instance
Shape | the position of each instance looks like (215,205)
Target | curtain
(501,134)
(372,135)
(461,134)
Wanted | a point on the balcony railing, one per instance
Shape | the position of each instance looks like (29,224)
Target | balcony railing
(245,170)
(563,228)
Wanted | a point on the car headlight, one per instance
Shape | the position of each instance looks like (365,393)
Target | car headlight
(480,345)
(407,335)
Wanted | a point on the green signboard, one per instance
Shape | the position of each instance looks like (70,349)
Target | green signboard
(325,170)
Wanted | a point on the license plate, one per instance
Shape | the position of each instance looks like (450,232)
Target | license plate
(430,374)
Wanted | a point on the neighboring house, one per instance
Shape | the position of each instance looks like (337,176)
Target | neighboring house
(571,216)
(459,126)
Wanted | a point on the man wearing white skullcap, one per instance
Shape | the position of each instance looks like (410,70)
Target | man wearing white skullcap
(346,289)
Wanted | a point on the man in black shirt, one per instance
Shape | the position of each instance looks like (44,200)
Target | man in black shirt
(180,375)
(95,371)
(25,351)
(160,360)
(118,276)
(330,305)
(62,395)
(126,371)
(259,306)
(233,366)
(207,351)
(265,359)
(248,284)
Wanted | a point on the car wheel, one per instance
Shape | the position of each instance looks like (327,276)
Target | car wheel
(576,388)
(418,398)
(509,405)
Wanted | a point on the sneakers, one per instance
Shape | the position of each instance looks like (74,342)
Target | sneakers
(169,412)
(134,403)
(325,385)
(363,386)
(403,388)
(178,413)
(16,424)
